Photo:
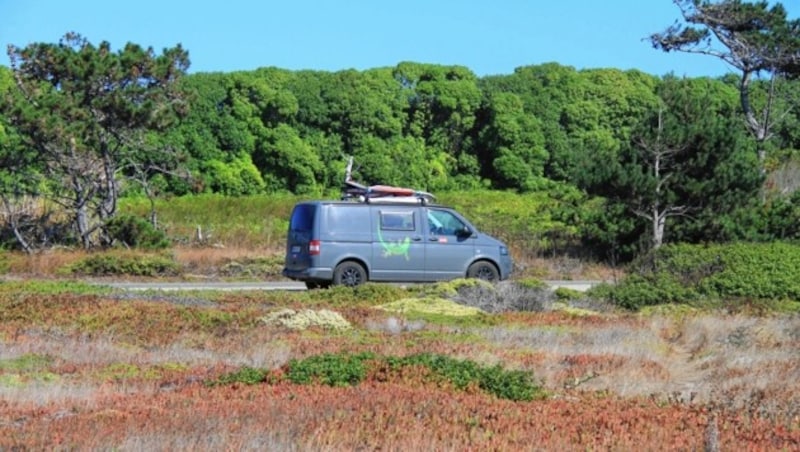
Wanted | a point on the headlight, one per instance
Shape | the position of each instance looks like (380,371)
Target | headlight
(503,251)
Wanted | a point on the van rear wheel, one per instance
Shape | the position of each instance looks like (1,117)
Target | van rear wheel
(311,285)
(349,274)
(483,270)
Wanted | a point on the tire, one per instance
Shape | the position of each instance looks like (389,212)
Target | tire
(350,274)
(311,285)
(483,270)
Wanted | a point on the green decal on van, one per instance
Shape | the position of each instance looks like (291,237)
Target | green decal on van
(397,248)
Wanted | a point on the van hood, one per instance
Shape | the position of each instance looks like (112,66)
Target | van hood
(486,239)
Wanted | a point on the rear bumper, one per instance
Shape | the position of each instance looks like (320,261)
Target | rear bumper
(309,274)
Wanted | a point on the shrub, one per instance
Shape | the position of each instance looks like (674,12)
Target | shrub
(691,273)
(430,305)
(567,294)
(751,270)
(637,291)
(532,283)
(137,232)
(261,267)
(246,375)
(340,369)
(347,369)
(373,294)
(108,264)
(506,296)
(369,294)
(759,271)
(512,385)
(307,318)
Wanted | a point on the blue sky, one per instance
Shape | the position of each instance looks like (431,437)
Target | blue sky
(487,37)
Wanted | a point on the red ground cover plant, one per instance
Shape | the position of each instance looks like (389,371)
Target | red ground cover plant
(130,373)
(378,415)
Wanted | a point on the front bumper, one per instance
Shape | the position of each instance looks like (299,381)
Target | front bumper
(506,266)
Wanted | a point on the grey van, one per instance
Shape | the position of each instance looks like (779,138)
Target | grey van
(349,243)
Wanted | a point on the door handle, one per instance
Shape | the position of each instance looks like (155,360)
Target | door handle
(416,238)
(433,239)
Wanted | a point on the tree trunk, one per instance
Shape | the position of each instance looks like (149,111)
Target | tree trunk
(82,223)
(12,215)
(659,224)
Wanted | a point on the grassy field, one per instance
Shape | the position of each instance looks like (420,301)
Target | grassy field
(85,367)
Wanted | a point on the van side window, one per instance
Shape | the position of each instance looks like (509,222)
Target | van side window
(442,222)
(397,221)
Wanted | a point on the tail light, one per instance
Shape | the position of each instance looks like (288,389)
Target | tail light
(314,247)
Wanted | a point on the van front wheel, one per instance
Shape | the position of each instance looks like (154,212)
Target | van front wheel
(349,274)
(483,270)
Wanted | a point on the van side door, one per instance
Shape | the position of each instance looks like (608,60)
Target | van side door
(398,250)
(449,245)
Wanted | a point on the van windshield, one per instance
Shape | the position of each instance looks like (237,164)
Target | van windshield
(302,218)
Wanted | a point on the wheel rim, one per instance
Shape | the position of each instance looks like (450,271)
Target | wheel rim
(485,273)
(351,277)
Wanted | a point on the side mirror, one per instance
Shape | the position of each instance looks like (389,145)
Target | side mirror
(464,232)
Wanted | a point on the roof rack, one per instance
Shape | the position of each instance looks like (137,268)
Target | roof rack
(381,193)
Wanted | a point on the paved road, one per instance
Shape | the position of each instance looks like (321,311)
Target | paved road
(275,285)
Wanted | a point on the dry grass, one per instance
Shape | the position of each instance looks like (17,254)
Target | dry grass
(206,262)
(44,263)
(565,268)
(206,257)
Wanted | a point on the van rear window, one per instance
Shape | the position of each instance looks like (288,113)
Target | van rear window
(302,218)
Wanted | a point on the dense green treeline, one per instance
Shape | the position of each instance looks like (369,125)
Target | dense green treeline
(624,154)
(587,134)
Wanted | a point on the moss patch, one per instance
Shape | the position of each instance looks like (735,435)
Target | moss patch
(307,318)
(430,305)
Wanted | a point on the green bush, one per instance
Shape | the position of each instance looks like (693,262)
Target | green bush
(369,294)
(136,232)
(567,294)
(512,385)
(532,283)
(637,291)
(246,375)
(347,369)
(261,267)
(108,264)
(331,369)
(759,271)
(691,273)
(750,270)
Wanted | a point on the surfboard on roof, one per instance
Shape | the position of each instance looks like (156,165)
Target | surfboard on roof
(365,193)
